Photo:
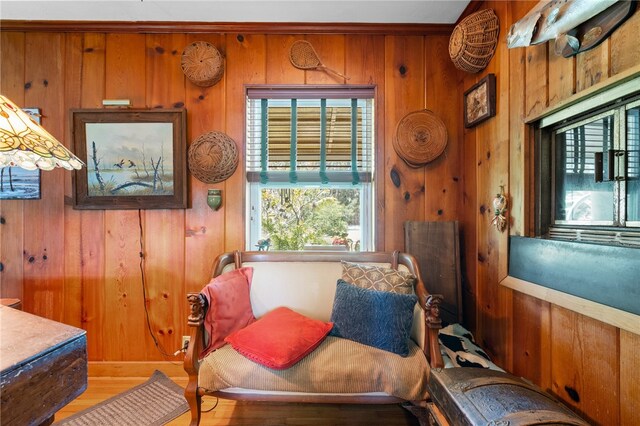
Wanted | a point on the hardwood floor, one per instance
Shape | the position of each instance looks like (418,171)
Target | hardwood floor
(257,414)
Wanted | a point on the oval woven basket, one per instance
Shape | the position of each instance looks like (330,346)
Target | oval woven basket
(202,63)
(420,138)
(213,157)
(473,41)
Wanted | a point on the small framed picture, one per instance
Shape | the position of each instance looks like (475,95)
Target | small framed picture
(17,183)
(136,159)
(480,101)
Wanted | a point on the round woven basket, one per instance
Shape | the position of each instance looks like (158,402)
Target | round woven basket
(420,138)
(202,63)
(473,41)
(213,157)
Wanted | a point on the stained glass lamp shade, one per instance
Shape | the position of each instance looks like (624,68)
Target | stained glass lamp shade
(25,144)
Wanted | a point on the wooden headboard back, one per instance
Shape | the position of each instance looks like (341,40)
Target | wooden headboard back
(393,258)
(436,247)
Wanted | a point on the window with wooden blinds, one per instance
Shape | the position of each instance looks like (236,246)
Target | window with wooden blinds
(308,135)
(309,159)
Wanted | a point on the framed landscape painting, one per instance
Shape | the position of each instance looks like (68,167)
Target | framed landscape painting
(17,183)
(136,159)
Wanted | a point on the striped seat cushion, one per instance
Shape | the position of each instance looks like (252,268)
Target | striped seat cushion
(336,366)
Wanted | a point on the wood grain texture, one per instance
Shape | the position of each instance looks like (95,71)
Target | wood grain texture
(12,211)
(91,222)
(330,50)
(603,313)
(531,339)
(72,312)
(44,234)
(561,76)
(33,392)
(592,66)
(43,365)
(625,49)
(537,97)
(279,69)
(518,176)
(246,64)
(165,251)
(125,68)
(468,226)
(404,93)
(576,343)
(629,378)
(125,78)
(492,156)
(442,175)
(365,65)
(203,228)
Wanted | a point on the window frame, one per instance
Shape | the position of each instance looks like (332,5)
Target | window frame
(615,197)
(544,163)
(277,179)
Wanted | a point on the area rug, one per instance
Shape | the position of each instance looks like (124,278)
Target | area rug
(152,403)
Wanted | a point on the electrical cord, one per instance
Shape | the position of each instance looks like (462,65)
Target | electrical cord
(146,310)
(144,295)
(214,406)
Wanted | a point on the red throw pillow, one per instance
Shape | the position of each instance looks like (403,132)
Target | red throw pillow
(280,338)
(229,306)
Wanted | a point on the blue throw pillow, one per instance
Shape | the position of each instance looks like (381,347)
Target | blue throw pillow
(376,318)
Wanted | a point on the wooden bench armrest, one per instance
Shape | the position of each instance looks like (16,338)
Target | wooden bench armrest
(433,326)
(198,306)
(430,304)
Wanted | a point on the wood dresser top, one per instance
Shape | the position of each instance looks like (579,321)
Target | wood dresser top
(24,337)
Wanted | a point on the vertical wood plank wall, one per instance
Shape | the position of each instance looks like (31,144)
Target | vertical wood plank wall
(83,267)
(588,364)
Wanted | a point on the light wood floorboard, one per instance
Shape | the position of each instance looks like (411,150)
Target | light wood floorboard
(245,413)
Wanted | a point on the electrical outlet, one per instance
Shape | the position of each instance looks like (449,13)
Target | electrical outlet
(185,341)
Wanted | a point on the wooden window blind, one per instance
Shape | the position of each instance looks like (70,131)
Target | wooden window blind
(310,134)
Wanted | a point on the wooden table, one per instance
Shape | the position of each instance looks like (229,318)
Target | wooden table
(43,366)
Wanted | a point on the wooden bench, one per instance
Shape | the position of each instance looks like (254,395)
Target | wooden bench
(306,282)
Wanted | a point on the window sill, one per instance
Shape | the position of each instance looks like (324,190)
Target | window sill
(616,317)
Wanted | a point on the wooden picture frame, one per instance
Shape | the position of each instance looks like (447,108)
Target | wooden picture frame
(480,101)
(17,183)
(135,158)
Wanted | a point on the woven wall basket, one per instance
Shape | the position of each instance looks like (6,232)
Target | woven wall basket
(473,41)
(202,63)
(420,138)
(213,157)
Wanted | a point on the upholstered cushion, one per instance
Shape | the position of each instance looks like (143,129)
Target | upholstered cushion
(280,338)
(336,366)
(376,318)
(378,278)
(229,306)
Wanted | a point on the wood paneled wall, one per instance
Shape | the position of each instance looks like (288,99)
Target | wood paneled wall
(592,366)
(83,267)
